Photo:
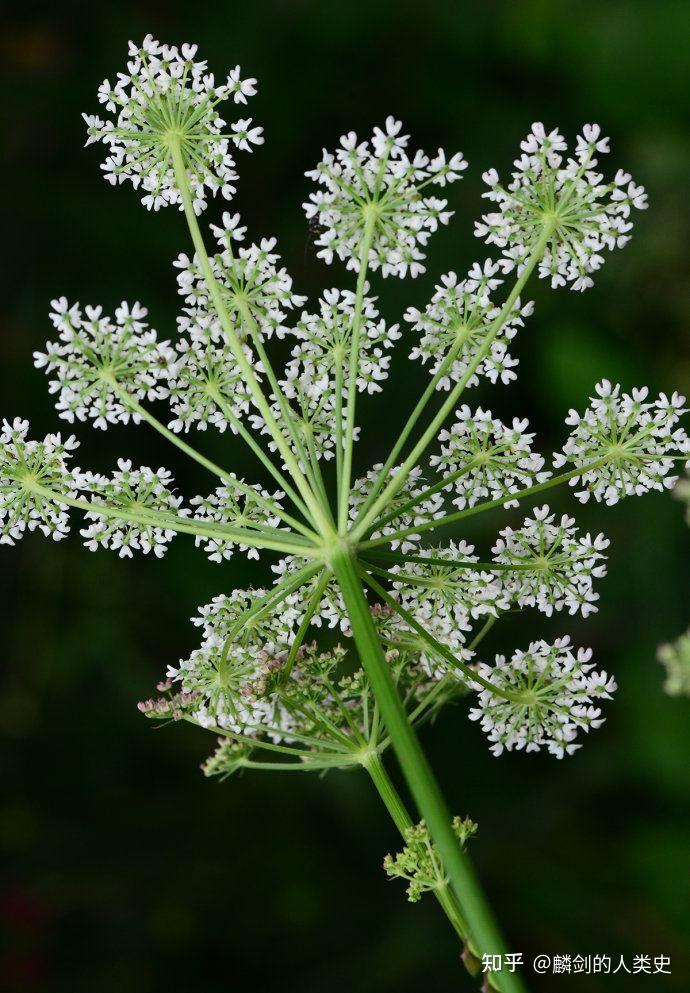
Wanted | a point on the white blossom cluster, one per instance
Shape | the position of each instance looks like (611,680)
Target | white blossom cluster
(165,101)
(324,342)
(98,362)
(234,653)
(30,471)
(547,566)
(566,197)
(229,505)
(553,692)
(632,440)
(256,292)
(137,490)
(375,186)
(205,383)
(449,586)
(485,459)
(454,326)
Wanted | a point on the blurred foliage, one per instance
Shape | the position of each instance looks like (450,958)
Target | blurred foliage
(124,868)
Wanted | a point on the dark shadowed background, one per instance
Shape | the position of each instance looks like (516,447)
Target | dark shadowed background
(124,869)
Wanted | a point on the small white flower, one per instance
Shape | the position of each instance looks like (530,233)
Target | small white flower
(256,293)
(206,384)
(422,512)
(585,215)
(548,566)
(453,591)
(458,320)
(228,505)
(138,490)
(30,471)
(485,459)
(636,440)
(324,342)
(376,183)
(553,692)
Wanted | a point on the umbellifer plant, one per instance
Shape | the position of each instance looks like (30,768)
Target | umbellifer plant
(409,617)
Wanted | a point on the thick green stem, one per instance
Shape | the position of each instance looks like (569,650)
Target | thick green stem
(484,934)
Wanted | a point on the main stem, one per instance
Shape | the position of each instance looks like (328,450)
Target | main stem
(483,932)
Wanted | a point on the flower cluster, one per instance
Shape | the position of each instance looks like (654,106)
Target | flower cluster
(545,565)
(419,862)
(324,341)
(448,586)
(675,658)
(255,291)
(482,458)
(136,492)
(166,118)
(238,506)
(101,365)
(205,382)
(455,326)
(551,696)
(33,476)
(624,444)
(563,200)
(372,201)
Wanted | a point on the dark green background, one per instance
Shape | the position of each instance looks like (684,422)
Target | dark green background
(123,868)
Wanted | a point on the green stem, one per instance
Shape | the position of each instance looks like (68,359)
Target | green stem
(400,478)
(242,361)
(344,492)
(223,474)
(253,539)
(427,795)
(410,423)
(478,508)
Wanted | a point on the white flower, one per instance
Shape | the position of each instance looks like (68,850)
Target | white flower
(636,441)
(548,566)
(256,293)
(229,505)
(166,102)
(451,631)
(454,326)
(324,342)
(29,472)
(584,214)
(485,459)
(206,384)
(553,694)
(375,185)
(133,490)
(98,363)
(311,409)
